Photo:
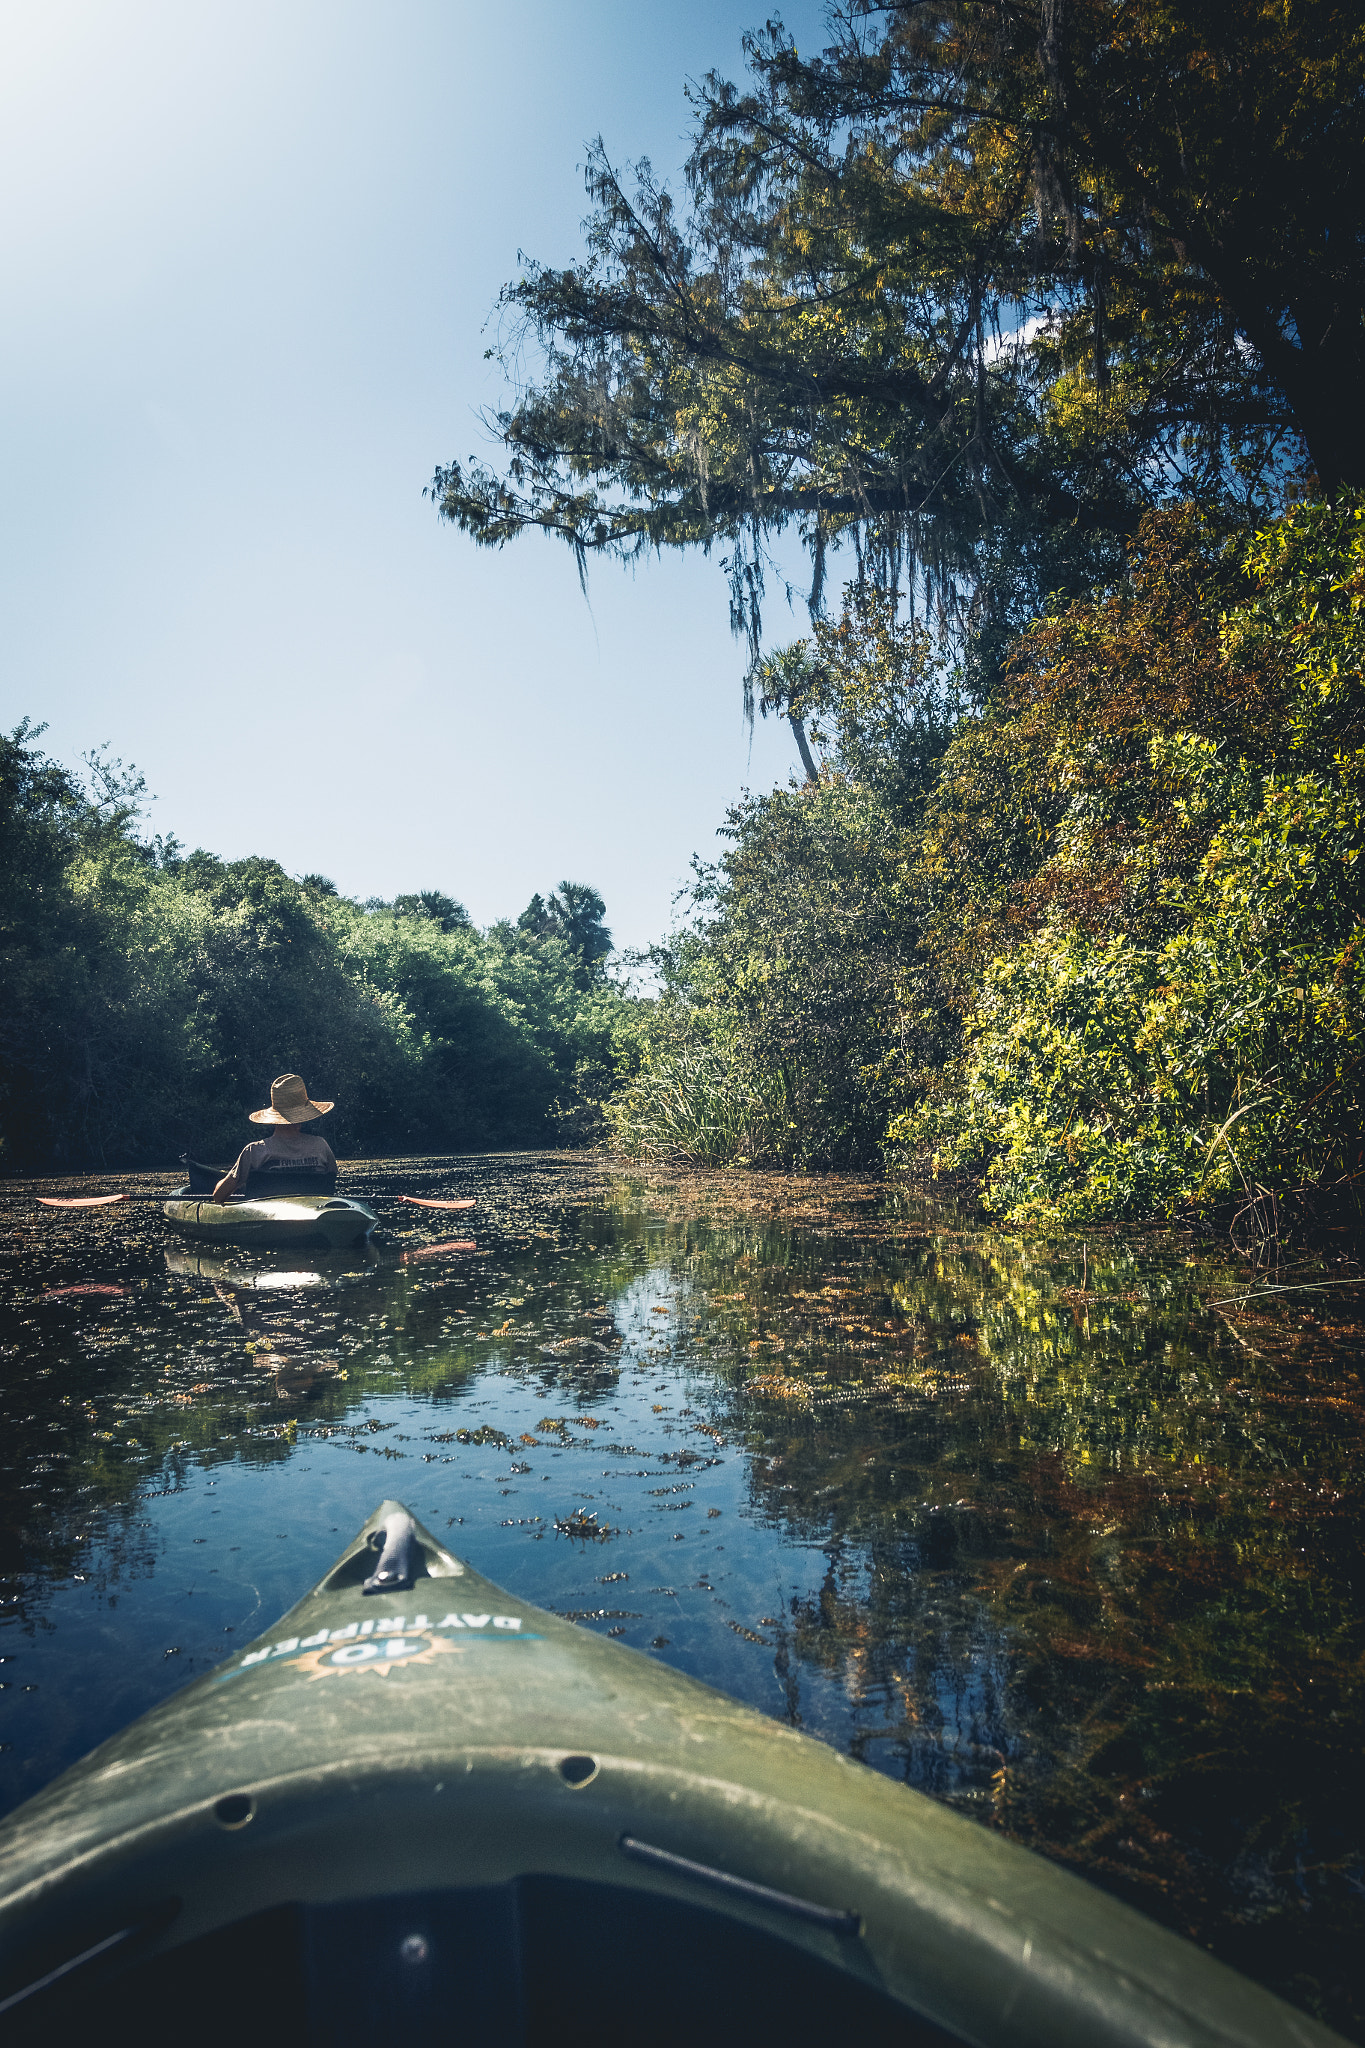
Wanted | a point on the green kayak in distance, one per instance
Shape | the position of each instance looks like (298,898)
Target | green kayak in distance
(278,1222)
(422,1810)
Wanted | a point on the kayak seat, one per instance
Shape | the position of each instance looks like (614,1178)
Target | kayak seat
(260,1187)
(264,1187)
(542,1962)
(200,1179)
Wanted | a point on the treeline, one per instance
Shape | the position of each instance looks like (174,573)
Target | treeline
(148,995)
(1101,946)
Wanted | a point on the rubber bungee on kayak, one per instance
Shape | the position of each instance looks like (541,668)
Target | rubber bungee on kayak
(422,1810)
(333,1221)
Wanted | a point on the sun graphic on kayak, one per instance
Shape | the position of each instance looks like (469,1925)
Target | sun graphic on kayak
(381,1655)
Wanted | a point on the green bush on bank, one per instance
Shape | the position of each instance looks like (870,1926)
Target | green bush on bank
(786,1030)
(797,1014)
(1103,1077)
(1104,948)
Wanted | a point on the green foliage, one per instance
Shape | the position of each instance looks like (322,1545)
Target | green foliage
(798,1012)
(574,913)
(968,289)
(1103,947)
(1054,803)
(794,1017)
(1216,1050)
(149,997)
(869,689)
(702,1100)
(435,904)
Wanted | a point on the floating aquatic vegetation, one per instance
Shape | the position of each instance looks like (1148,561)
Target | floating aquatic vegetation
(584,1526)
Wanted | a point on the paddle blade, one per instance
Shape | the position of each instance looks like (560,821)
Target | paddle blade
(419,1202)
(440,1251)
(86,1287)
(80,1201)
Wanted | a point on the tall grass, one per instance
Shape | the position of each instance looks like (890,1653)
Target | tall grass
(697,1101)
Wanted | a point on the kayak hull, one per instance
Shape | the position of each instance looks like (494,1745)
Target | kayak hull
(333,1222)
(401,1800)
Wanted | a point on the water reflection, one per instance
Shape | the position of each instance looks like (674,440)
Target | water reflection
(1039,1532)
(273,1272)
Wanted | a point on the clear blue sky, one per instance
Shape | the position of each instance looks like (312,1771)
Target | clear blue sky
(248,252)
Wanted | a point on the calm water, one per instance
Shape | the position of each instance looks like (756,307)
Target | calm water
(1082,1560)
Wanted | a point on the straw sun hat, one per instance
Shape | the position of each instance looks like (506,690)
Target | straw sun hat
(289,1103)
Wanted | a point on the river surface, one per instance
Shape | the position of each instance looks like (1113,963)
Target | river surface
(1069,1538)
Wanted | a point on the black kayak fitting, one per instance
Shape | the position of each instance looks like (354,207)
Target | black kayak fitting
(396,1540)
(420,1810)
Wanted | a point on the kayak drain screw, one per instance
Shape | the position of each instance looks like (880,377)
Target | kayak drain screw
(234,1811)
(578,1770)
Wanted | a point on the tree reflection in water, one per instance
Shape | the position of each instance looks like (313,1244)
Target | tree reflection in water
(1094,1558)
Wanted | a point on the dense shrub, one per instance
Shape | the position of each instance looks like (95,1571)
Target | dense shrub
(1102,945)
(1215,1047)
(787,1030)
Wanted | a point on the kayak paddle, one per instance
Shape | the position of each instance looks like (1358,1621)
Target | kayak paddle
(107,1201)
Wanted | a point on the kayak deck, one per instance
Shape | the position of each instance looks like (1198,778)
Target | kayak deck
(420,1808)
(334,1221)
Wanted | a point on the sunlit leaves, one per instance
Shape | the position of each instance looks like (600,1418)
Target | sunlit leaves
(1193,1030)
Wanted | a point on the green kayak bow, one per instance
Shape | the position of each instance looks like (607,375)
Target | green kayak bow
(421,1809)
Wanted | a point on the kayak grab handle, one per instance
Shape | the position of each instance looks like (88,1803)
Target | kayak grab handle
(829,1917)
(396,1540)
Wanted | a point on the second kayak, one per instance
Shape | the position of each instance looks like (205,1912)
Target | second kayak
(283,1221)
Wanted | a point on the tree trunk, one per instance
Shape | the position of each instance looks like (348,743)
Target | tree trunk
(1320,375)
(1325,395)
(803,745)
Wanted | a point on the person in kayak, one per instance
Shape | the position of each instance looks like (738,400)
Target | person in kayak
(289,1150)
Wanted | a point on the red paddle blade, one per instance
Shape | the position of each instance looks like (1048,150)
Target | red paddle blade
(79,1201)
(86,1287)
(418,1202)
(440,1251)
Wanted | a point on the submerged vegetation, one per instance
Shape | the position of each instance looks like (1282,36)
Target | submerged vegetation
(150,994)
